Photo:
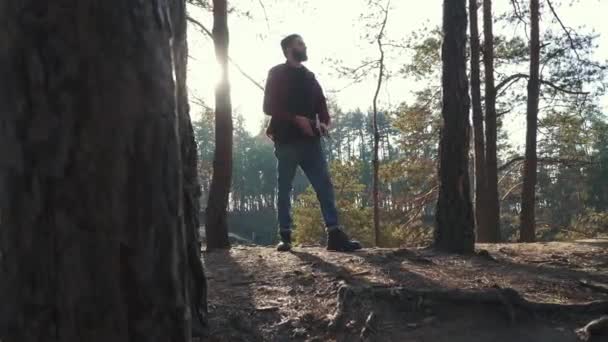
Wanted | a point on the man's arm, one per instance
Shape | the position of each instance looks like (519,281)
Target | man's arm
(274,98)
(322,107)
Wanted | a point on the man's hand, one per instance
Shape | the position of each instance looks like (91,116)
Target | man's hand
(304,125)
(269,133)
(324,128)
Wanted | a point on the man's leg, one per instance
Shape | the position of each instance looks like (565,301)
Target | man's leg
(314,165)
(315,168)
(287,163)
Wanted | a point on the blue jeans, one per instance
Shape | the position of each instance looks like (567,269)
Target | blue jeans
(308,155)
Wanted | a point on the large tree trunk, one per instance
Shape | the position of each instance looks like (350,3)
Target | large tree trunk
(95,235)
(216,226)
(491,231)
(455,223)
(481,207)
(527,220)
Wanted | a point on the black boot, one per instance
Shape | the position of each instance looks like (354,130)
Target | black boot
(338,241)
(285,244)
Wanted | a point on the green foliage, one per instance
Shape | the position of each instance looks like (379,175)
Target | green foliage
(426,47)
(589,224)
(357,220)
(510,51)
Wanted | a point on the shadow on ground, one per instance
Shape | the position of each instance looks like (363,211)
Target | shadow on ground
(258,294)
(230,320)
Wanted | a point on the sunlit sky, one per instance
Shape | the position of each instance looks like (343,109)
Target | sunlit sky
(333,29)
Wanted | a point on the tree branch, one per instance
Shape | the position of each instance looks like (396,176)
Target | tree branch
(511,78)
(197,100)
(238,67)
(548,160)
(200,26)
(265,14)
(516,77)
(572,45)
(563,90)
(511,190)
(519,15)
(499,114)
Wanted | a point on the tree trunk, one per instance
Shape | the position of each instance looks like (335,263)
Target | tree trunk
(527,220)
(481,208)
(455,224)
(191,185)
(375,182)
(217,216)
(376,160)
(95,235)
(491,231)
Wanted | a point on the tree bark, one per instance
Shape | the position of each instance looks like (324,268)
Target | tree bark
(95,173)
(491,231)
(190,184)
(454,221)
(481,208)
(527,219)
(216,226)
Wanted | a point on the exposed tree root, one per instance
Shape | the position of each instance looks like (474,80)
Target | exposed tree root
(598,327)
(599,287)
(344,294)
(508,299)
(369,328)
(485,254)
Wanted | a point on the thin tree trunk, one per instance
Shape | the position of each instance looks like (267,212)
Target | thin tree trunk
(94,231)
(491,231)
(376,158)
(217,215)
(481,210)
(454,218)
(527,219)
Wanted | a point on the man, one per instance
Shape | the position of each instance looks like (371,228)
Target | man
(294,98)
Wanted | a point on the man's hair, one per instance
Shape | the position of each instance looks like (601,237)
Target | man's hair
(286,42)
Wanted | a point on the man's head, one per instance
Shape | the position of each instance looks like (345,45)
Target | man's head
(294,48)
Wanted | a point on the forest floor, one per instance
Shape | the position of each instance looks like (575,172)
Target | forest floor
(258,294)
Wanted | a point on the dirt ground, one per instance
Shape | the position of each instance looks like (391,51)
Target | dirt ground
(258,294)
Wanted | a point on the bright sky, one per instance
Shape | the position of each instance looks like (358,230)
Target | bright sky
(331,29)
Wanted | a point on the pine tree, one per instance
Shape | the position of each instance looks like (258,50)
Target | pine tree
(454,218)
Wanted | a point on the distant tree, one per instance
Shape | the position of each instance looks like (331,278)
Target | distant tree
(455,223)
(597,181)
(97,182)
(481,202)
(204,132)
(491,231)
(376,160)
(528,199)
(216,215)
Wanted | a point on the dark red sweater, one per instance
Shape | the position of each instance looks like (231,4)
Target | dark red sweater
(278,93)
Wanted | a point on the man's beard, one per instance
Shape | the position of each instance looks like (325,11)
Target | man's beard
(300,56)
